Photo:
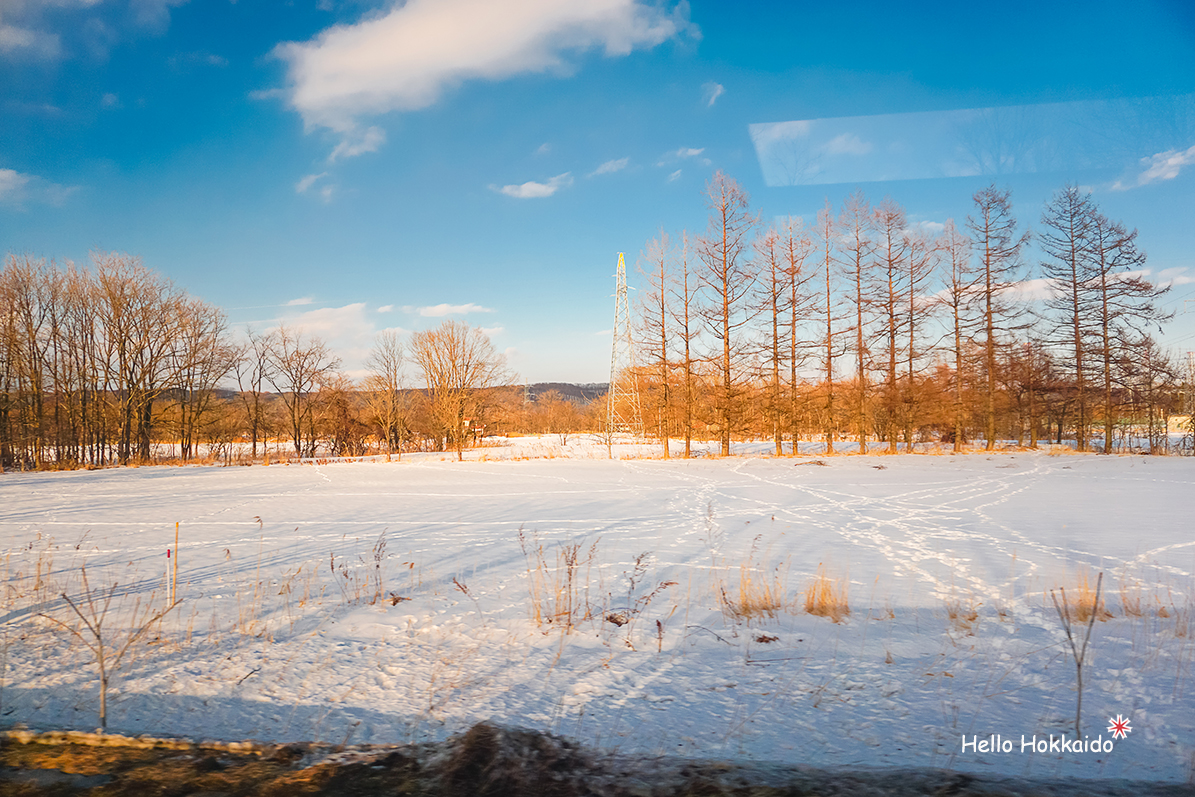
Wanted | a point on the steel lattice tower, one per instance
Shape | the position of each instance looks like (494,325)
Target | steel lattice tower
(622,397)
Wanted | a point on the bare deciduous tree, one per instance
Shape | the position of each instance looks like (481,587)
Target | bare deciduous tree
(384,390)
(727,275)
(297,369)
(459,367)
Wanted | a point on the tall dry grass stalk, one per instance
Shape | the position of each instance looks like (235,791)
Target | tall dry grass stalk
(827,597)
(760,591)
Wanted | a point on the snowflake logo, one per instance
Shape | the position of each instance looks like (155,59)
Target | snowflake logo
(1119,727)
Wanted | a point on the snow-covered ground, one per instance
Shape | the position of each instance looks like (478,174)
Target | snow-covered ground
(279,636)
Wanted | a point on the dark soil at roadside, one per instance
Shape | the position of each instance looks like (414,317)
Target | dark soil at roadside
(487,761)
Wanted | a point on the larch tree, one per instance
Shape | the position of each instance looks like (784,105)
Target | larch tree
(1066,239)
(825,239)
(773,285)
(857,246)
(796,247)
(727,276)
(960,297)
(1124,303)
(892,252)
(998,248)
(654,327)
(917,308)
(686,301)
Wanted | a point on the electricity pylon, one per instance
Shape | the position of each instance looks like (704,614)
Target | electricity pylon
(623,412)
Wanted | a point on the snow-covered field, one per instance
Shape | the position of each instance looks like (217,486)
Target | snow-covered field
(951,636)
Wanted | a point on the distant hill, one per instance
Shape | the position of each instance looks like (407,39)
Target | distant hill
(581,394)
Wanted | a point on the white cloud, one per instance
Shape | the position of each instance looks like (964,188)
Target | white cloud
(304,185)
(683,153)
(437,310)
(609,167)
(710,92)
(1162,166)
(386,308)
(18,41)
(358,142)
(771,133)
(407,57)
(17,189)
(300,302)
(543,149)
(153,14)
(932,227)
(1033,289)
(492,331)
(534,190)
(672,178)
(12,184)
(109,101)
(846,144)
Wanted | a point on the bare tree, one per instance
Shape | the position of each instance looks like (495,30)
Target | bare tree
(654,325)
(297,369)
(857,245)
(996,242)
(1066,240)
(1124,306)
(892,252)
(253,369)
(203,358)
(384,390)
(959,296)
(686,301)
(826,237)
(795,247)
(460,367)
(727,275)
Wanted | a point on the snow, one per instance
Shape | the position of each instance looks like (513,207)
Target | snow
(278,636)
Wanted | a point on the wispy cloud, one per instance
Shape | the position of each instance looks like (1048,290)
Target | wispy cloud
(684,153)
(846,144)
(406,58)
(710,92)
(305,300)
(18,189)
(543,149)
(534,190)
(386,308)
(1156,168)
(609,167)
(29,43)
(438,310)
(308,183)
(109,101)
(672,178)
(358,142)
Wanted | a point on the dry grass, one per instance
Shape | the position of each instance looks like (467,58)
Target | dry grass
(559,592)
(1080,601)
(827,597)
(963,614)
(760,592)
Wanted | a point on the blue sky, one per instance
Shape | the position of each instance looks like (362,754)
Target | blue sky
(356,166)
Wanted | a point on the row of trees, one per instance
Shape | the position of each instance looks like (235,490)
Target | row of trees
(859,325)
(105,364)
(863,325)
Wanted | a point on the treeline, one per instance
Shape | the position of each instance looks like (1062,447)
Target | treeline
(113,364)
(864,327)
(858,327)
